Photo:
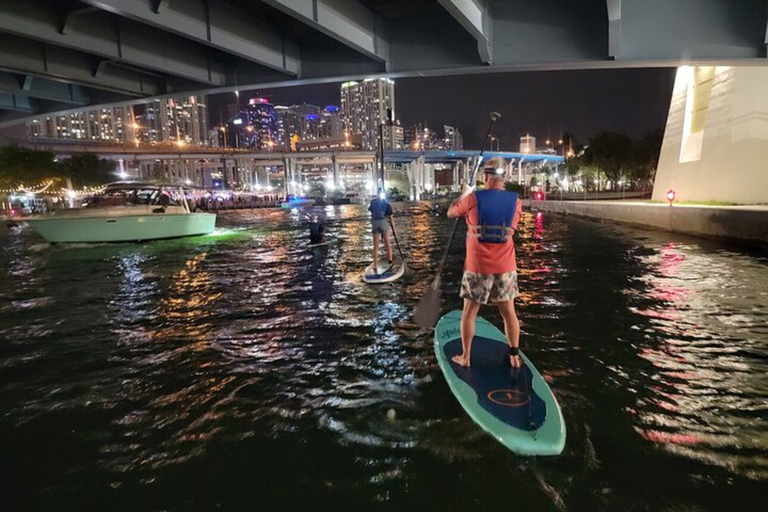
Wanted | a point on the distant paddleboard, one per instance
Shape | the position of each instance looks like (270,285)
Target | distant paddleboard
(386,274)
(515,406)
(328,241)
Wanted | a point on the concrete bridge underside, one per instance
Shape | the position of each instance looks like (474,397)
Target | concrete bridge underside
(63,55)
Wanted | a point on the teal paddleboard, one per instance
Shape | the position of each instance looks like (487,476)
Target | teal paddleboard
(515,406)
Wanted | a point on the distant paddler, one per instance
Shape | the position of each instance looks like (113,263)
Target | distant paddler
(381,220)
(316,230)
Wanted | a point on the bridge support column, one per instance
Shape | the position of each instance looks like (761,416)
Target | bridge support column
(145,170)
(456,176)
(418,177)
(288,169)
(335,167)
(431,178)
(224,171)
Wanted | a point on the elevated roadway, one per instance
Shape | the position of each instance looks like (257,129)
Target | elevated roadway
(64,55)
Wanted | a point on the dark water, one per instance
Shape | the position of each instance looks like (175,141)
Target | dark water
(243,372)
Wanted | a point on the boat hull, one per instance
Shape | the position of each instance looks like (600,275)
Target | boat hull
(129,228)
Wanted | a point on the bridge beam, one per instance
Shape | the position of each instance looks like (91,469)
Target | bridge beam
(15,102)
(475,19)
(120,41)
(214,24)
(40,88)
(689,30)
(347,21)
(31,58)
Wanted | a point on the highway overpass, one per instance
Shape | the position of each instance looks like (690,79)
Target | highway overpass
(62,55)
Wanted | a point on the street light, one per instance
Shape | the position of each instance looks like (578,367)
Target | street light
(671,196)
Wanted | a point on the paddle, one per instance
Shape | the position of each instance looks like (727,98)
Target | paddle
(428,310)
(406,270)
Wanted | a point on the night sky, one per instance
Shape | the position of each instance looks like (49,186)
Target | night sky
(632,101)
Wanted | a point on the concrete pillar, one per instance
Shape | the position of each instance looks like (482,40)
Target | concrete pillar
(335,167)
(418,172)
(288,167)
(431,178)
(456,176)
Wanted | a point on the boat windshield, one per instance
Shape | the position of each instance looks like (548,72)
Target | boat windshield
(135,197)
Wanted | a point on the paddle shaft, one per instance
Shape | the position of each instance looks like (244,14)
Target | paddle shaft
(394,233)
(436,282)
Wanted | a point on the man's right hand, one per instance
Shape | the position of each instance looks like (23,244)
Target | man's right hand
(466,190)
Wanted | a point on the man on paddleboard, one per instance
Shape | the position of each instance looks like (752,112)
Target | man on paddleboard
(490,269)
(381,216)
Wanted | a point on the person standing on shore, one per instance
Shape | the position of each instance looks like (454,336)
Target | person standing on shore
(381,218)
(490,269)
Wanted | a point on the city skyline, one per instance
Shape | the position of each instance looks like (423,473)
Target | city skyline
(542,104)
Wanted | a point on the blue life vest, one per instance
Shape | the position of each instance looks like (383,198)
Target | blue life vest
(378,208)
(495,211)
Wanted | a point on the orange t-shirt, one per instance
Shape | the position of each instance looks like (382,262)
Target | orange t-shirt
(484,258)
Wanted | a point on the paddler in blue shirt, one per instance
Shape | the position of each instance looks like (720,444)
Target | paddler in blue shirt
(381,217)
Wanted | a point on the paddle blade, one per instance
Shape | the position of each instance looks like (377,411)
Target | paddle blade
(428,310)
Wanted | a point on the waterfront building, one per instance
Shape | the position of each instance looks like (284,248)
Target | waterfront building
(259,125)
(310,127)
(452,139)
(182,120)
(394,137)
(364,106)
(115,125)
(420,137)
(528,144)
(330,125)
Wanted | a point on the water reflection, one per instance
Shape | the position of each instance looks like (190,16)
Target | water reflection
(274,371)
(706,391)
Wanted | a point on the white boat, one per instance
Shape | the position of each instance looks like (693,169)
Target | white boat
(126,212)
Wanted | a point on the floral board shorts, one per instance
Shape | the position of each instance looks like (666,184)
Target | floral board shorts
(489,288)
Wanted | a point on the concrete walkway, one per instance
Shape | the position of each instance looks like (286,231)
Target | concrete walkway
(743,223)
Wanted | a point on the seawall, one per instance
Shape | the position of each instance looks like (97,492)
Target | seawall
(742,223)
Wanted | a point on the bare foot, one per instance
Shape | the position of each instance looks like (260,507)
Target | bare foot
(515,361)
(461,360)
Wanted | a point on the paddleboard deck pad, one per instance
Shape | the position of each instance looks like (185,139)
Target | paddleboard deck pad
(514,405)
(386,273)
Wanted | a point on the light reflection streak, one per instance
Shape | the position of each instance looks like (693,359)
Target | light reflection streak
(706,389)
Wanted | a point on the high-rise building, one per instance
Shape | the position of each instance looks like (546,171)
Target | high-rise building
(310,127)
(330,123)
(116,125)
(452,140)
(260,125)
(394,137)
(183,120)
(365,106)
(528,144)
(420,137)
